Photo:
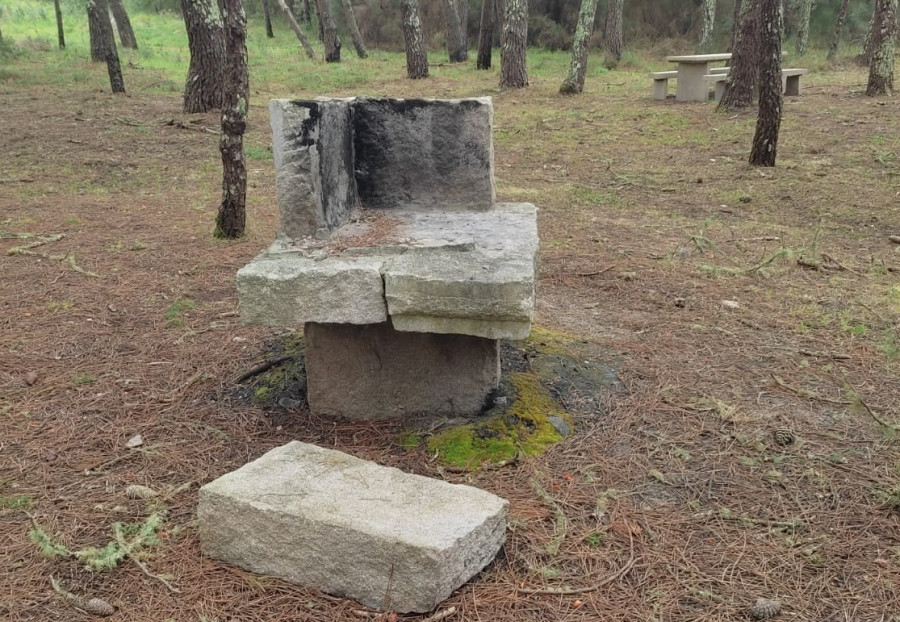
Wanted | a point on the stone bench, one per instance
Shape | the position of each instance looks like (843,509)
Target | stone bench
(393,255)
(661,80)
(790,82)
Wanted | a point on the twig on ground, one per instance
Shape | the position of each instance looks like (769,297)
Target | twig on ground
(263,367)
(560,523)
(841,356)
(120,540)
(567,591)
(878,419)
(808,394)
(440,615)
(606,269)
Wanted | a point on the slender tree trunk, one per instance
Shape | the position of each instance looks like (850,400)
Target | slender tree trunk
(416,56)
(95,31)
(123,24)
(771,97)
(745,59)
(268,17)
(884,32)
(329,32)
(98,18)
(231,218)
(203,89)
(319,21)
(709,22)
(513,44)
(457,44)
(574,82)
(296,28)
(60,33)
(486,34)
(614,39)
(803,29)
(306,12)
(355,35)
(735,23)
(838,28)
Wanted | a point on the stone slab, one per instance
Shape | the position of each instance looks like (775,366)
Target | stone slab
(424,153)
(288,289)
(377,372)
(467,273)
(313,149)
(323,519)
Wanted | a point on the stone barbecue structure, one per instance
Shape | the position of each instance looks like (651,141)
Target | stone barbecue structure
(323,519)
(393,254)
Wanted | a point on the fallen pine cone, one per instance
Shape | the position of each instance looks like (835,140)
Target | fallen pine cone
(136,491)
(784,436)
(763,609)
(99,607)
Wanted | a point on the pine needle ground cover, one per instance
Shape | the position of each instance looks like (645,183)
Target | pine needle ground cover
(749,450)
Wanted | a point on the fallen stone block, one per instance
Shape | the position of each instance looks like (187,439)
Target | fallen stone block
(327,520)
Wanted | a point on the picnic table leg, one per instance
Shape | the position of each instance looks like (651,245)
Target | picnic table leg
(691,85)
(792,85)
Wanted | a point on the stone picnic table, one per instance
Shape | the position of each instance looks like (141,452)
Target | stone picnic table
(691,69)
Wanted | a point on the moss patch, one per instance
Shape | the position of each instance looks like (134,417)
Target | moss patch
(521,428)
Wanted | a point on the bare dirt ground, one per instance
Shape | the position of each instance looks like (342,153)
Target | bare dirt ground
(743,301)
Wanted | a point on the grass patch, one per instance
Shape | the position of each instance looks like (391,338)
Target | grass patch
(175,313)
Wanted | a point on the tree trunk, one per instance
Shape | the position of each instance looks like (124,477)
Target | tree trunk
(296,28)
(486,34)
(745,59)
(319,21)
(735,23)
(771,98)
(329,32)
(355,35)
(123,24)
(513,44)
(884,31)
(95,31)
(231,218)
(98,18)
(709,22)
(614,40)
(574,82)
(838,28)
(416,56)
(60,33)
(206,39)
(457,43)
(803,29)
(268,17)
(305,12)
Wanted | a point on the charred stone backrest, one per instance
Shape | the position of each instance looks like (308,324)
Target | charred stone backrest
(333,155)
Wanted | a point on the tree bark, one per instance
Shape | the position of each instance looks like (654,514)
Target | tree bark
(306,12)
(771,98)
(204,88)
(709,22)
(101,28)
(574,82)
(457,43)
(803,29)
(355,35)
(231,218)
(416,56)
(735,23)
(268,17)
(296,28)
(486,34)
(614,40)
(95,31)
(513,44)
(123,24)
(745,59)
(884,31)
(838,28)
(60,33)
(329,32)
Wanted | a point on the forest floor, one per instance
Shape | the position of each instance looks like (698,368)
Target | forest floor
(741,301)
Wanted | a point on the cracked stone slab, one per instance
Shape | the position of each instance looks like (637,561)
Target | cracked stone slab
(327,520)
(467,273)
(287,289)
